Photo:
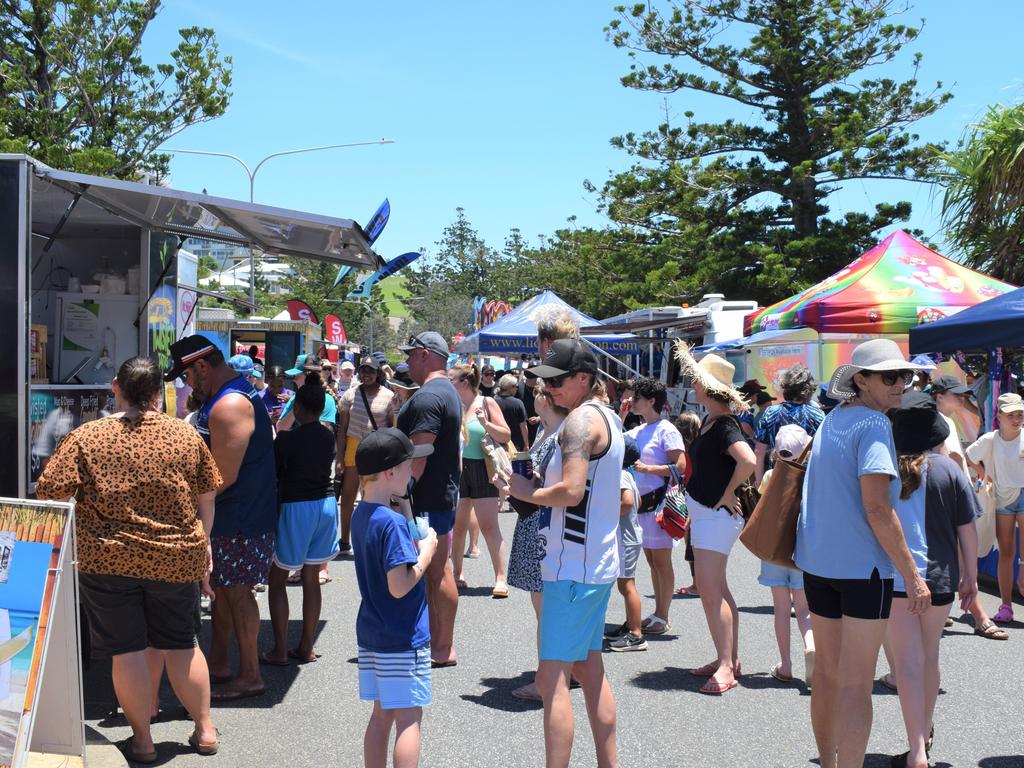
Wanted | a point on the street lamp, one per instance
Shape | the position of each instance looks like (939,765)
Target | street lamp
(251,172)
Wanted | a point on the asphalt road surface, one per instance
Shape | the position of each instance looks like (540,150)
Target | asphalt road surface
(311,715)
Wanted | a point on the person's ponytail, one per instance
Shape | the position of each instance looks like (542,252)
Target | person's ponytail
(312,377)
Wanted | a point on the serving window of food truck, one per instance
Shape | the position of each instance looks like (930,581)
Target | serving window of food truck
(90,276)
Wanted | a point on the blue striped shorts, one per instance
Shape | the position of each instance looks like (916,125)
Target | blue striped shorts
(399,680)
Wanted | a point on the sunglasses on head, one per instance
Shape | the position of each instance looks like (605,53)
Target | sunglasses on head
(415,342)
(889,378)
(554,382)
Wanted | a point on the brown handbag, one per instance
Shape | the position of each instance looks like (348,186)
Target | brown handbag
(770,533)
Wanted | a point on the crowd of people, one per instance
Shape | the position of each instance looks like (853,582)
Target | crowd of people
(278,472)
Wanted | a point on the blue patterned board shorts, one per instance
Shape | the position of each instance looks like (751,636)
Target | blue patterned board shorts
(241,559)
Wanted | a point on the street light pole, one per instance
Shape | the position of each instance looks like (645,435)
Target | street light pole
(251,173)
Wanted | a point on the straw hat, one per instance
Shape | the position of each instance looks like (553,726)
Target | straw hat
(714,374)
(874,355)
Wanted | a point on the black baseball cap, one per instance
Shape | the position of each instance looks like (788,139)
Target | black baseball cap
(370,362)
(186,351)
(566,356)
(950,384)
(386,448)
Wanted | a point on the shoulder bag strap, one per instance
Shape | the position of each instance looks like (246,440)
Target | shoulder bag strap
(373,421)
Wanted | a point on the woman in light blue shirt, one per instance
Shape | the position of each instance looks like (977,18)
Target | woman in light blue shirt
(849,545)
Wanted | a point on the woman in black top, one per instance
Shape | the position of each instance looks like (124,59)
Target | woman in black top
(721,461)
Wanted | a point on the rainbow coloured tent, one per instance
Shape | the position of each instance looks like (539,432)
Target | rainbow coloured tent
(895,286)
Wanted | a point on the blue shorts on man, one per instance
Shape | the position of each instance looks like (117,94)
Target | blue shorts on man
(573,614)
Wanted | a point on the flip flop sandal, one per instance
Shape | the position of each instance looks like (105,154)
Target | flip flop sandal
(687,592)
(706,671)
(654,625)
(776,672)
(127,748)
(884,680)
(203,749)
(236,695)
(293,653)
(714,688)
(442,664)
(264,659)
(499,593)
(461,584)
(325,579)
(990,631)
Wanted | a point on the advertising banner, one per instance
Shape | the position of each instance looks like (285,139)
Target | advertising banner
(300,310)
(334,330)
(32,535)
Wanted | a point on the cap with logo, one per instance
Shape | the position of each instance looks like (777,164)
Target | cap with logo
(370,362)
(186,351)
(566,356)
(432,341)
(387,448)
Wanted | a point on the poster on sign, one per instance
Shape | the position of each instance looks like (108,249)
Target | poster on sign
(334,329)
(32,535)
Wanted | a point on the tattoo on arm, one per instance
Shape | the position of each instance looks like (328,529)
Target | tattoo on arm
(577,439)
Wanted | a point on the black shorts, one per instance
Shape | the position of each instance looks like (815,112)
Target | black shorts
(938,600)
(128,615)
(855,598)
(475,484)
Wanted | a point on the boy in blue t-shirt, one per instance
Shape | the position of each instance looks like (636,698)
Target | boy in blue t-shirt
(392,626)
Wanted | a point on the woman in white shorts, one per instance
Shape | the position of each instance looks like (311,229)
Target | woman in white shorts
(720,462)
(661,452)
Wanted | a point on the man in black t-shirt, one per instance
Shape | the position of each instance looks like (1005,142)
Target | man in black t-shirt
(513,410)
(433,416)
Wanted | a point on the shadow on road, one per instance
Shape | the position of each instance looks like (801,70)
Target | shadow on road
(499,696)
(1002,761)
(101,702)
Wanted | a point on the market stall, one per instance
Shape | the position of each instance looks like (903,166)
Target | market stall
(516,332)
(994,328)
(92,272)
(895,287)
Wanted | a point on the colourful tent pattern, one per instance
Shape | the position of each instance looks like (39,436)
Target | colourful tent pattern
(895,286)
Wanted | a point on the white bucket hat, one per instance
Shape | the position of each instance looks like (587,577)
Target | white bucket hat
(874,355)
(714,373)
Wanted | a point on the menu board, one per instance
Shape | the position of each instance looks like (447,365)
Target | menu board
(55,411)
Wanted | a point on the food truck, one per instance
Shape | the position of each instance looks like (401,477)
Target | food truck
(92,273)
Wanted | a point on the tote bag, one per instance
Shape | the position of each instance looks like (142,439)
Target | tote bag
(770,533)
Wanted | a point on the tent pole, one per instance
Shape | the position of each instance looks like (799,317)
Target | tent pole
(610,357)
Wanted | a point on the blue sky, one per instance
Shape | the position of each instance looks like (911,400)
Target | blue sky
(501,108)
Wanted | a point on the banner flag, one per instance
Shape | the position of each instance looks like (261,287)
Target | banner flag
(334,329)
(300,310)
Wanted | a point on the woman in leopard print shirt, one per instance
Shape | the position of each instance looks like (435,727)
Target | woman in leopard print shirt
(144,485)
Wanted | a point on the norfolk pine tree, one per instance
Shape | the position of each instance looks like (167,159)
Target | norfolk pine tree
(741,204)
(76,94)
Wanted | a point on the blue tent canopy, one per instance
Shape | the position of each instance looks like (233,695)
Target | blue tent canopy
(516,332)
(998,322)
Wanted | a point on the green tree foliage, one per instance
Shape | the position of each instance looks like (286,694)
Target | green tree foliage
(76,93)
(983,204)
(740,205)
(444,284)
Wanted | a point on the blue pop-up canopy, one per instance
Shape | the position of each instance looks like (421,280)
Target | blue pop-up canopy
(516,332)
(998,322)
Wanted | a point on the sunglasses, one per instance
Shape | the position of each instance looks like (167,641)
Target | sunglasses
(414,342)
(555,382)
(889,378)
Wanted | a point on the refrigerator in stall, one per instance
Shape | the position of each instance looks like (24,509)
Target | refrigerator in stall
(96,332)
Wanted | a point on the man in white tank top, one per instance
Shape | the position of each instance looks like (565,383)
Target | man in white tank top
(581,559)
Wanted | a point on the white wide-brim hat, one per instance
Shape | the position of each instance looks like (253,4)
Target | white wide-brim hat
(714,373)
(875,355)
